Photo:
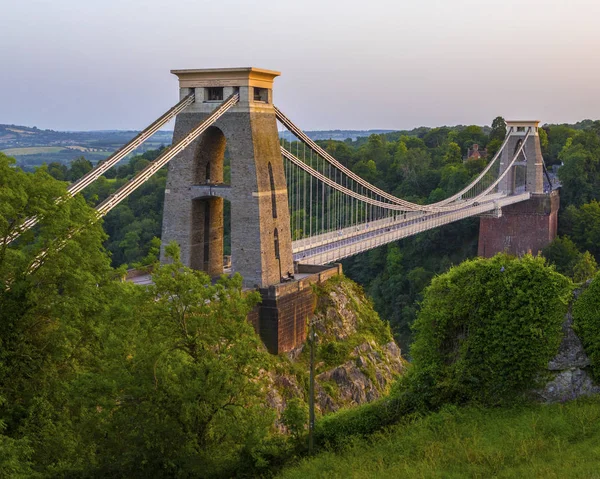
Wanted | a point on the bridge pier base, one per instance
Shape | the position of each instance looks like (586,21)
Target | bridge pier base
(282,318)
(524,227)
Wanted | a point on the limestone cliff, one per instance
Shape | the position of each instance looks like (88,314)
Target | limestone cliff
(357,359)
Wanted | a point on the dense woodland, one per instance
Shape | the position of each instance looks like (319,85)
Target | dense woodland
(101,378)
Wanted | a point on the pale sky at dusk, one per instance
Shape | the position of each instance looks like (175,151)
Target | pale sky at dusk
(345,64)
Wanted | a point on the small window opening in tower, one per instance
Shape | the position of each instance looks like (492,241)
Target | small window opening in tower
(261,94)
(214,93)
(520,128)
(207,172)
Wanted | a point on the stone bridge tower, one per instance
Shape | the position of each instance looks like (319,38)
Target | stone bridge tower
(531,157)
(530,225)
(196,189)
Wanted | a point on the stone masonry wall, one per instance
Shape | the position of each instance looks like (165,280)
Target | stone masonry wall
(282,316)
(253,143)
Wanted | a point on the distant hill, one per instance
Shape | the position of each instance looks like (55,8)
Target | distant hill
(20,137)
(17,136)
(32,146)
(342,135)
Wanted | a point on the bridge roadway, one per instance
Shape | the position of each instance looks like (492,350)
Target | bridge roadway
(336,245)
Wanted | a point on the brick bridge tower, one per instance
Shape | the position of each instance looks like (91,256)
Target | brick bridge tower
(194,196)
(529,225)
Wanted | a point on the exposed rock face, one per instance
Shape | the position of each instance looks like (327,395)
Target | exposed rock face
(356,361)
(570,353)
(339,319)
(569,368)
(364,377)
(569,384)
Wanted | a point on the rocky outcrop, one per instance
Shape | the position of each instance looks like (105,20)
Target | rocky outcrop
(356,360)
(569,369)
(337,316)
(567,385)
(363,378)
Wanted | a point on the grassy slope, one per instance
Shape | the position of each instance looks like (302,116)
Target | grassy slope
(558,441)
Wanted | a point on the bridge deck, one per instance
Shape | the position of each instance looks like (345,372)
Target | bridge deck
(336,245)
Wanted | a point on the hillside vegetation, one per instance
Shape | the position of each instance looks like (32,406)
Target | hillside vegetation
(103,378)
(422,165)
(99,378)
(483,342)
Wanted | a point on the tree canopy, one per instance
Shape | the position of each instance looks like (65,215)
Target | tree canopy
(488,327)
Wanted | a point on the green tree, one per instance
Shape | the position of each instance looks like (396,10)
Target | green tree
(563,254)
(47,317)
(58,171)
(585,268)
(454,178)
(579,174)
(557,138)
(453,154)
(583,226)
(586,322)
(184,379)
(295,417)
(487,328)
(15,456)
(367,170)
(79,167)
(543,141)
(436,137)
(470,135)
(498,129)
(493,147)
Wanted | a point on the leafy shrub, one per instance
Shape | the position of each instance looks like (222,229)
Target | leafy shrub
(339,428)
(487,328)
(586,321)
(295,417)
(334,352)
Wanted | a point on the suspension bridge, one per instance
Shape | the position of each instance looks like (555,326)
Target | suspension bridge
(293,205)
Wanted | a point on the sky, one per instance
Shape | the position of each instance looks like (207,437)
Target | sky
(345,64)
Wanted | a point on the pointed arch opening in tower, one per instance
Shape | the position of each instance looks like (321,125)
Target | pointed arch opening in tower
(208,230)
(209,165)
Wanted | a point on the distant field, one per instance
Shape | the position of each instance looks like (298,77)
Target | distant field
(94,146)
(28,162)
(33,150)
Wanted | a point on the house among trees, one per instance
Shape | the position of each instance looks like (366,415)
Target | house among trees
(474,153)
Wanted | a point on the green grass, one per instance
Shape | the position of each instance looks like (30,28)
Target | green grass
(34,150)
(557,441)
